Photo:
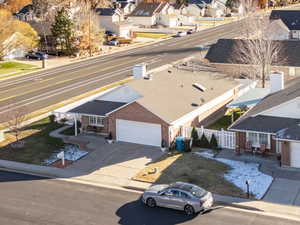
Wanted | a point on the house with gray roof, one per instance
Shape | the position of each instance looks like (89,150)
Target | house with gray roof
(157,107)
(274,122)
(223,55)
(291,18)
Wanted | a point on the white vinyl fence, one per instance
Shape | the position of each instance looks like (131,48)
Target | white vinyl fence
(226,139)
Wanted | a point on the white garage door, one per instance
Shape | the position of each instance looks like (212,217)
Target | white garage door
(138,132)
(295,154)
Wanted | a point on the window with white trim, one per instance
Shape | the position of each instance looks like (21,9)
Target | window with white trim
(96,121)
(258,139)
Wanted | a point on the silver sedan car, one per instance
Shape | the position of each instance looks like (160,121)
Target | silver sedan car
(181,196)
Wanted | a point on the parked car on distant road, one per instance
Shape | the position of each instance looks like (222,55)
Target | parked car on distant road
(181,34)
(181,196)
(36,55)
(113,42)
(190,31)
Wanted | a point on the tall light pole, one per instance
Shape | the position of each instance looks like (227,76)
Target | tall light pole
(90,47)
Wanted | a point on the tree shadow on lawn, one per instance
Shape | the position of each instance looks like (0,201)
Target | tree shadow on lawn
(38,144)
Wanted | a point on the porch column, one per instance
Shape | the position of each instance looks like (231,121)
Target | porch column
(75,125)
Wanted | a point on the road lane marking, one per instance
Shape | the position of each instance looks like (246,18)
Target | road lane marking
(63,81)
(62,90)
(114,55)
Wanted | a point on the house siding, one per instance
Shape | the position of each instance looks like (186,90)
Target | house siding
(273,145)
(85,124)
(241,140)
(285,154)
(136,112)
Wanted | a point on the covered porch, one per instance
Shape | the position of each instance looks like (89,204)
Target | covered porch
(93,116)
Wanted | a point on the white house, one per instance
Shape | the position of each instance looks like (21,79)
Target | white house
(13,48)
(146,14)
(112,19)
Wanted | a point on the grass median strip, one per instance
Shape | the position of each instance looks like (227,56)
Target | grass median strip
(9,69)
(187,167)
(152,35)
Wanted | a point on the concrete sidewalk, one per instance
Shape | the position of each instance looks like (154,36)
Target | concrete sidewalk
(259,207)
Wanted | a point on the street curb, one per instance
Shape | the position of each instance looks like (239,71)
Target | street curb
(235,206)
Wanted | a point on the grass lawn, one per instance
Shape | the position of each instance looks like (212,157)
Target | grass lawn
(152,35)
(38,144)
(8,69)
(187,167)
(225,121)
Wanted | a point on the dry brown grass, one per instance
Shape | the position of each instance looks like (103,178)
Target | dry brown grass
(188,167)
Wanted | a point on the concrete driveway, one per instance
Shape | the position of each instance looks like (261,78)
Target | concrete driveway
(112,163)
(284,191)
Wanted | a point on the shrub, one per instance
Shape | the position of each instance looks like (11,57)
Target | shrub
(163,143)
(195,136)
(213,142)
(187,147)
(52,118)
(203,142)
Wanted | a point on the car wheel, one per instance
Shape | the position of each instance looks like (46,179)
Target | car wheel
(189,210)
(151,202)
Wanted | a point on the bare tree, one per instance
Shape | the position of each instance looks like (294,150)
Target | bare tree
(258,52)
(15,118)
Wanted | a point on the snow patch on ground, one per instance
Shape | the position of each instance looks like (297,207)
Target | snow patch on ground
(241,172)
(72,153)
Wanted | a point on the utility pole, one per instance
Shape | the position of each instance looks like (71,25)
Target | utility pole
(90,47)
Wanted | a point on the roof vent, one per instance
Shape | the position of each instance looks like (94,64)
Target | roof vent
(199,87)
(194,104)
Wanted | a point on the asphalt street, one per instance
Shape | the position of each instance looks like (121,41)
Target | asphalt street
(30,200)
(41,89)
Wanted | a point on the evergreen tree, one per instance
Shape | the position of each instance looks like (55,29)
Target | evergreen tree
(63,31)
(214,142)
(195,136)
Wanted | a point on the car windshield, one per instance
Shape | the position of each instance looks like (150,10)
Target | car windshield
(193,189)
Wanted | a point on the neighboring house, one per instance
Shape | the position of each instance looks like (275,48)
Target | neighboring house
(188,96)
(274,122)
(127,8)
(277,30)
(26,13)
(146,14)
(222,55)
(196,10)
(112,19)
(291,19)
(210,8)
(183,15)
(9,49)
